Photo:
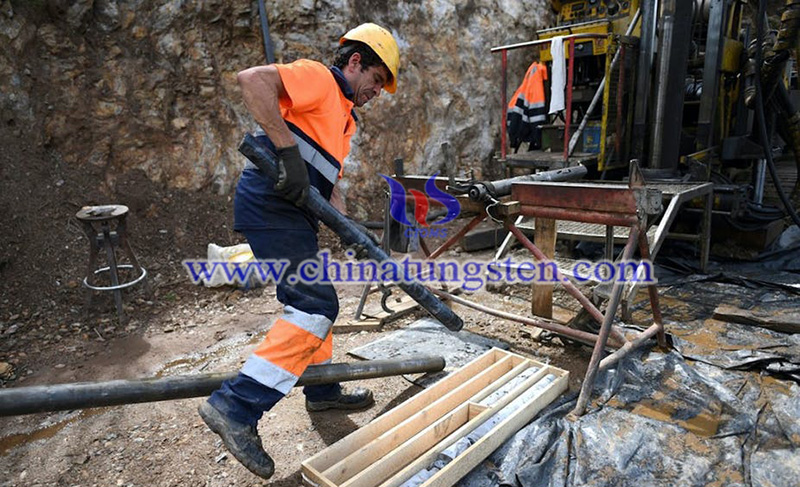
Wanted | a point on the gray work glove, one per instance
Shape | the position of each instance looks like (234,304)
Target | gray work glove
(292,181)
(359,250)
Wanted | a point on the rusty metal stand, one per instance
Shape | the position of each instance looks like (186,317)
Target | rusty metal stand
(108,238)
(612,205)
(602,204)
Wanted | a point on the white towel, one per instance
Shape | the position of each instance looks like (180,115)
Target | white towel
(558,78)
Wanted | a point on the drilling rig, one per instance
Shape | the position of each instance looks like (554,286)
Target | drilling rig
(693,90)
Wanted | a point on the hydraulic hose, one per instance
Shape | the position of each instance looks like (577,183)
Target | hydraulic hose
(789,131)
(761,118)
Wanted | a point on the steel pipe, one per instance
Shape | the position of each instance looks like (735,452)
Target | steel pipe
(605,330)
(481,190)
(62,397)
(578,335)
(318,206)
(632,345)
(457,236)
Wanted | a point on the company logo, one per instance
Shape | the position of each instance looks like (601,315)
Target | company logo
(398,207)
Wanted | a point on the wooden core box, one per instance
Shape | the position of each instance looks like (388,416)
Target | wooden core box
(485,401)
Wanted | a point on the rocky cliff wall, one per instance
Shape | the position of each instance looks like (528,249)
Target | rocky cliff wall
(151,84)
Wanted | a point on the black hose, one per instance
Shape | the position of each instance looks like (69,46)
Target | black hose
(761,118)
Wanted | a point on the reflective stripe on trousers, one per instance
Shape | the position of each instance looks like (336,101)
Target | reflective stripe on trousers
(295,341)
(302,335)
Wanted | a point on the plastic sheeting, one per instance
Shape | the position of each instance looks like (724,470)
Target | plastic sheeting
(659,420)
(721,409)
(427,335)
(696,335)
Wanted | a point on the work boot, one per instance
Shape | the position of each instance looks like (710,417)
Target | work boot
(240,439)
(358,398)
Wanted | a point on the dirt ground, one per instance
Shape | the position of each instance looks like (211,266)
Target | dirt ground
(166,443)
(47,337)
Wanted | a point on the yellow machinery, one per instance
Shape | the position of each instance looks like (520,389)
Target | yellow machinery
(592,63)
(589,17)
(706,51)
(672,84)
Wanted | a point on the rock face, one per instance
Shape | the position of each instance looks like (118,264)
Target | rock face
(151,84)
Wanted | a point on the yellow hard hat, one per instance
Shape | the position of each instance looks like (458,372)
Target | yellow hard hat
(382,42)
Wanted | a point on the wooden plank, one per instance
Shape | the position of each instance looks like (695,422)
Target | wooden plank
(324,459)
(311,476)
(383,444)
(542,294)
(353,326)
(425,460)
(395,446)
(476,409)
(387,465)
(375,320)
(484,447)
(783,320)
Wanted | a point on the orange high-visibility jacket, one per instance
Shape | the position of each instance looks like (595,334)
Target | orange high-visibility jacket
(527,108)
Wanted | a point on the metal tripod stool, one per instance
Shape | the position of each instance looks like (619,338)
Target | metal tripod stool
(105,226)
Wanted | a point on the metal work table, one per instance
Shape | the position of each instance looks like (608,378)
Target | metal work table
(675,195)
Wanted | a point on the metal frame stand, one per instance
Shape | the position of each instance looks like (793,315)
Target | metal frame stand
(105,237)
(605,204)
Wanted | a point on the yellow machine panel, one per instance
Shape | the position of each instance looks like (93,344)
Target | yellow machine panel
(582,10)
(598,46)
(589,17)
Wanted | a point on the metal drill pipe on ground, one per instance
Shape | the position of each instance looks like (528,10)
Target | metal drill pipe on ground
(64,397)
(344,228)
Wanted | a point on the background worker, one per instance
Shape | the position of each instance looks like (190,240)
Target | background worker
(305,113)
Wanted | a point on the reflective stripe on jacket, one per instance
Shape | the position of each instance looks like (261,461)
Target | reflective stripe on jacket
(319,113)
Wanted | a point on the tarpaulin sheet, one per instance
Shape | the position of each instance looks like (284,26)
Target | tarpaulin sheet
(427,336)
(659,420)
(689,309)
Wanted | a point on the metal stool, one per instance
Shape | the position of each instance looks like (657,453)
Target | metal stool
(97,224)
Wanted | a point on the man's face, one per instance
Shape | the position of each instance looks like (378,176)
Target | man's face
(366,84)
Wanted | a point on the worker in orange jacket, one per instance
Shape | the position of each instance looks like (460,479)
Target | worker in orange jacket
(527,109)
(305,113)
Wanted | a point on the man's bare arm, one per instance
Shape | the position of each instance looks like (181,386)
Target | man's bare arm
(261,89)
(337,201)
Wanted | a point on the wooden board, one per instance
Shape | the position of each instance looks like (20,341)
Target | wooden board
(406,439)
(373,321)
(542,294)
(783,320)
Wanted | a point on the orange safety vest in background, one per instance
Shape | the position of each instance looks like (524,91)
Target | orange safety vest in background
(527,109)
